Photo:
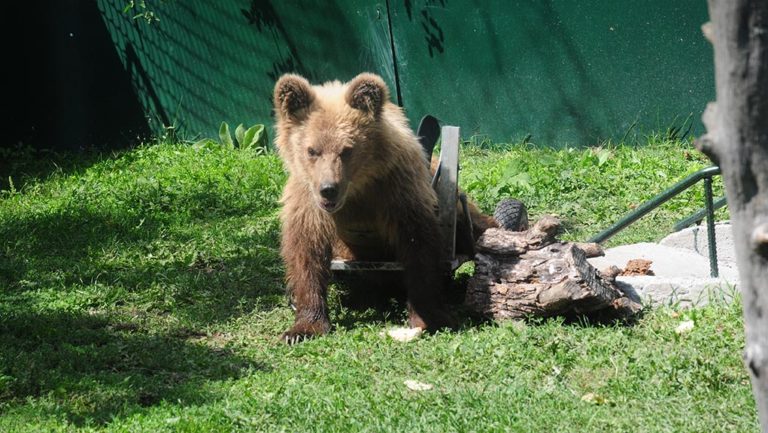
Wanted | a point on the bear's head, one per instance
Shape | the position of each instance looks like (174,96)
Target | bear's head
(329,135)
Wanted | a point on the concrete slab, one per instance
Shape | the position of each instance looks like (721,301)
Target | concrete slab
(682,292)
(682,275)
(666,261)
(695,239)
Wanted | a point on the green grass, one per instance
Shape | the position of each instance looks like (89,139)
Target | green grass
(142,291)
(590,189)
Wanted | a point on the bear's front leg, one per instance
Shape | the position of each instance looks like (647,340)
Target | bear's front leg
(419,251)
(306,251)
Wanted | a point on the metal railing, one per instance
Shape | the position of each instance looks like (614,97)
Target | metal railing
(708,212)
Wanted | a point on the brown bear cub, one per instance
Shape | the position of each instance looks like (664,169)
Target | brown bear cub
(359,189)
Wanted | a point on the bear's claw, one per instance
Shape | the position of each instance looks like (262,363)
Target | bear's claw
(301,331)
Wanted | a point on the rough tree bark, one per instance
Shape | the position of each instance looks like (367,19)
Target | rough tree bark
(531,273)
(737,140)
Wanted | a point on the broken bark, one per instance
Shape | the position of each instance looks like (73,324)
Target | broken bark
(737,140)
(637,267)
(530,273)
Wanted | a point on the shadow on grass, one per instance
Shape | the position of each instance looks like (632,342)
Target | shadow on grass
(207,271)
(104,292)
(24,164)
(379,298)
(93,368)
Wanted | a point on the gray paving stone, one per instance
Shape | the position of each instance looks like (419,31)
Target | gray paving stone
(680,264)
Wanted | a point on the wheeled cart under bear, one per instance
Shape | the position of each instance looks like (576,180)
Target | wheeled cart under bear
(510,214)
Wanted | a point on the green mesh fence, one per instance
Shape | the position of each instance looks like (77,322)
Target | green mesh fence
(557,71)
(560,71)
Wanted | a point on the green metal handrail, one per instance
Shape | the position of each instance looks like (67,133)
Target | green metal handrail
(699,215)
(705,175)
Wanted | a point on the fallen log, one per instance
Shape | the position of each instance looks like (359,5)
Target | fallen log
(531,273)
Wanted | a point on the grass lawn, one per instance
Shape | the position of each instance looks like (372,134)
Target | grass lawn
(142,291)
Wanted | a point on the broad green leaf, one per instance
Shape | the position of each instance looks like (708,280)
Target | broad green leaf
(226,139)
(256,137)
(602,157)
(547,159)
(239,135)
(261,139)
(521,180)
(200,143)
(249,134)
(205,143)
(514,168)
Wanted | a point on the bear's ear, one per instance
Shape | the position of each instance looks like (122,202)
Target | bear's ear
(367,92)
(293,96)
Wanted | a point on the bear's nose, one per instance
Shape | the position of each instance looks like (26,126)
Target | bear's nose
(329,191)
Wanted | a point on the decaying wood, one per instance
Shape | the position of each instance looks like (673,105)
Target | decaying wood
(610,273)
(591,249)
(500,241)
(530,273)
(544,232)
(636,267)
(737,140)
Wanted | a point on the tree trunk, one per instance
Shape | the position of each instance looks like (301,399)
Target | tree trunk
(737,140)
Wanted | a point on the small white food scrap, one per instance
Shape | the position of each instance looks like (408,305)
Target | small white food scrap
(685,326)
(415,385)
(405,335)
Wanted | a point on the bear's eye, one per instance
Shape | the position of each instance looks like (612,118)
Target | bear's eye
(312,152)
(346,153)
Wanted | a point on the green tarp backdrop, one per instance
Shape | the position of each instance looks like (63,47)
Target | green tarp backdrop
(557,71)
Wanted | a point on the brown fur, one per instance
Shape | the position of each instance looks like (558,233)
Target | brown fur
(357,188)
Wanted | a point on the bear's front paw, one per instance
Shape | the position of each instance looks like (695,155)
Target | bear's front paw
(303,330)
(432,319)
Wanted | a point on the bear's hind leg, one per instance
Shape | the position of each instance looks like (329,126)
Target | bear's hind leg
(418,250)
